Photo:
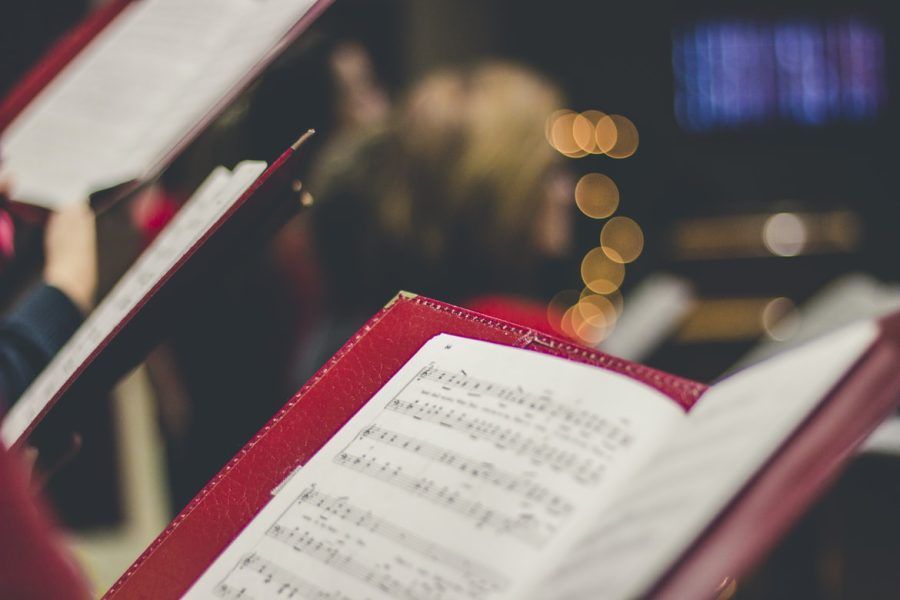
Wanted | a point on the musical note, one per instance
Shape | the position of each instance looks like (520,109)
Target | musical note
(540,404)
(480,470)
(481,576)
(278,581)
(327,553)
(585,470)
(526,527)
(449,486)
(227,592)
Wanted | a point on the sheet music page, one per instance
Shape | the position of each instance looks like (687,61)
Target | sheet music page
(461,478)
(205,207)
(727,437)
(137,89)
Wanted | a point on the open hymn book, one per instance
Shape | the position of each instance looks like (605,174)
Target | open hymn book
(477,470)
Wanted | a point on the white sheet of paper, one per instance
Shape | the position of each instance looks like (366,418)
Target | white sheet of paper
(460,479)
(654,309)
(733,430)
(135,91)
(207,205)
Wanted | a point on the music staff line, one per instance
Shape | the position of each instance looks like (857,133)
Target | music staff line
(227,592)
(477,469)
(326,553)
(524,528)
(584,470)
(286,582)
(342,509)
(541,404)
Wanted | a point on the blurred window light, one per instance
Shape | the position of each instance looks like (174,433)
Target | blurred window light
(732,74)
(724,320)
(784,234)
(778,234)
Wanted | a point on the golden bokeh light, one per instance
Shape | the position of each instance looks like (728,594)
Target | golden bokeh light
(627,139)
(617,300)
(567,324)
(780,319)
(588,334)
(551,120)
(605,134)
(622,239)
(583,133)
(596,195)
(600,273)
(560,133)
(597,310)
(558,305)
(577,154)
(592,319)
(584,130)
(587,317)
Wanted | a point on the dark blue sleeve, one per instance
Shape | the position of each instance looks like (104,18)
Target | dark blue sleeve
(29,337)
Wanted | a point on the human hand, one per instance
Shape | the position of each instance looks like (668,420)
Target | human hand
(42,465)
(70,254)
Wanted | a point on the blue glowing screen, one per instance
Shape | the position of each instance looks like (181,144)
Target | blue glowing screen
(738,74)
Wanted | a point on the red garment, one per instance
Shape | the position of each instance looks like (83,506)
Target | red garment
(33,563)
(152,211)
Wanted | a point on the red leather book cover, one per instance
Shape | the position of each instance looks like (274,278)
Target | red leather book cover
(341,387)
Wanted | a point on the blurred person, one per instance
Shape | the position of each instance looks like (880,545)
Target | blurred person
(355,100)
(457,196)
(41,322)
(34,562)
(360,99)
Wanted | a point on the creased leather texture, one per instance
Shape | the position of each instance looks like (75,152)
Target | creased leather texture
(321,407)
